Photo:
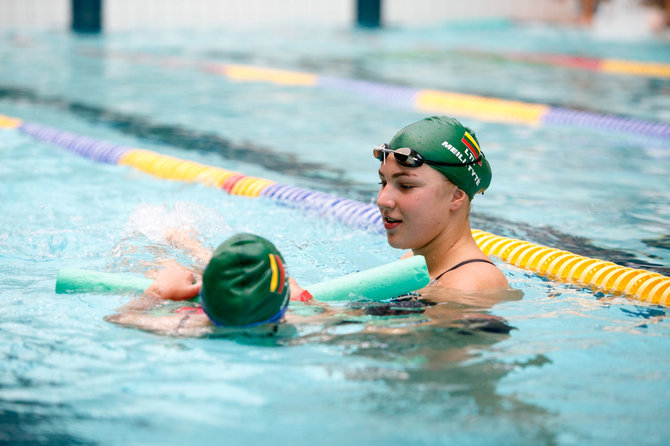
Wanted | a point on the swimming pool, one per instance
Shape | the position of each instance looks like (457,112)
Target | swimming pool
(579,367)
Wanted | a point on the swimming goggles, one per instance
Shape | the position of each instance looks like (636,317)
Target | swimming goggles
(411,158)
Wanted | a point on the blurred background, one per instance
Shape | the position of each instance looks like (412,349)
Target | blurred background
(129,14)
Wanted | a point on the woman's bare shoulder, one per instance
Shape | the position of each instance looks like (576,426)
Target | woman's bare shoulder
(475,276)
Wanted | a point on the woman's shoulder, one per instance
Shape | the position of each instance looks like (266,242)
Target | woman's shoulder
(477,274)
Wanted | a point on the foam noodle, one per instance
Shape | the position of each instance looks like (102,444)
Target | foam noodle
(382,282)
(74,280)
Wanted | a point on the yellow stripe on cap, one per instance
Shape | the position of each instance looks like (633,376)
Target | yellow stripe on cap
(474,143)
(274,282)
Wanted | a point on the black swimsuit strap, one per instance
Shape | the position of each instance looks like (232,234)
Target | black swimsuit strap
(465,262)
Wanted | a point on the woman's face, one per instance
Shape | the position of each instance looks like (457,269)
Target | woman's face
(414,203)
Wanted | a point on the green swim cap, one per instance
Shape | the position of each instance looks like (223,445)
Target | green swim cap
(245,283)
(444,139)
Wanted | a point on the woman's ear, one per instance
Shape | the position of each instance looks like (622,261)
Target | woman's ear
(458,199)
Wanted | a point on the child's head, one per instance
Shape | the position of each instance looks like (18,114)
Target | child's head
(245,283)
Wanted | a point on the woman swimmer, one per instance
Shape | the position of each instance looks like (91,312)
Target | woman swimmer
(430,171)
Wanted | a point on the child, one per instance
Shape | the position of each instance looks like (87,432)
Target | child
(244,285)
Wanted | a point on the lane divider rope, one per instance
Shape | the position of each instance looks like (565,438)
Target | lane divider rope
(425,100)
(451,103)
(604,65)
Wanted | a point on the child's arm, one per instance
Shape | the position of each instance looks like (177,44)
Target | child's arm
(185,241)
(172,324)
(174,283)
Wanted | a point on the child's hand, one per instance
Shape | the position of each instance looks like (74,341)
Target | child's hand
(174,283)
(297,293)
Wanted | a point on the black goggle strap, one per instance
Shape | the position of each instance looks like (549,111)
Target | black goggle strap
(470,163)
(417,159)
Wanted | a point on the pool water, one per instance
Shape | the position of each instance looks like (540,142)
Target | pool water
(578,367)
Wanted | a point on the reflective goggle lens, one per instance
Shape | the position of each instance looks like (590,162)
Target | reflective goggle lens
(404,155)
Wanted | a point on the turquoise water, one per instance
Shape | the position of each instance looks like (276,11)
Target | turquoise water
(578,368)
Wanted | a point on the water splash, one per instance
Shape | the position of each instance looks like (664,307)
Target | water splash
(156,222)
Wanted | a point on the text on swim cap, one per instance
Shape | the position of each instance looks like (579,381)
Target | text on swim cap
(462,159)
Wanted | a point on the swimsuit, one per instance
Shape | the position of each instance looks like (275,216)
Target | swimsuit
(465,262)
(408,303)
(413,304)
(401,305)
(189,310)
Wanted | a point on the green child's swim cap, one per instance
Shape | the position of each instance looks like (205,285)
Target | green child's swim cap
(245,283)
(444,139)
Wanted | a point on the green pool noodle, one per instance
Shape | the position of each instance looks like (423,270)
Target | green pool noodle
(74,280)
(379,283)
(383,282)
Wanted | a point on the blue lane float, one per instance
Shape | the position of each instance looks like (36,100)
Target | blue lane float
(399,96)
(95,149)
(566,116)
(351,212)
